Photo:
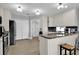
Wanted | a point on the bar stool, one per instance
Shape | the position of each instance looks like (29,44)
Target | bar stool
(67,47)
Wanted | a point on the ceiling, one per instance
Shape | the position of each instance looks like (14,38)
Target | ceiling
(47,9)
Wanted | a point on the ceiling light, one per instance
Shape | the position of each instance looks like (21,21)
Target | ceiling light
(65,6)
(37,12)
(19,9)
(61,6)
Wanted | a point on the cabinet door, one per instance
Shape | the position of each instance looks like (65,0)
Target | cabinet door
(50,21)
(58,20)
(45,25)
(70,18)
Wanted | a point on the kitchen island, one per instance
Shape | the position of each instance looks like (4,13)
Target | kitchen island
(50,44)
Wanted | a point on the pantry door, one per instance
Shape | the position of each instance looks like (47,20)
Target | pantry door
(25,29)
(22,29)
(35,28)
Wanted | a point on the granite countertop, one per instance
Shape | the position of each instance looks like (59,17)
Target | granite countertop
(56,35)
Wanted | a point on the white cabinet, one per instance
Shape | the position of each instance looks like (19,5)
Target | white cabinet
(51,23)
(70,18)
(44,21)
(58,20)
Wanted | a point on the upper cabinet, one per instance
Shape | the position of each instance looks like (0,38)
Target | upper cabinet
(70,18)
(44,22)
(50,21)
(58,20)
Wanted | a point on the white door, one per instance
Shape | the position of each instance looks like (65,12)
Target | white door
(22,29)
(35,28)
(25,29)
(18,30)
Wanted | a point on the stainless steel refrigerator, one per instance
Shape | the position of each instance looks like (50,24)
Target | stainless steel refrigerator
(12,29)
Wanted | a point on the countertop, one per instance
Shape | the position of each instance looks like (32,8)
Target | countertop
(57,35)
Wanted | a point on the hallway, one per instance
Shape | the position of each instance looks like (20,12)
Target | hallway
(25,47)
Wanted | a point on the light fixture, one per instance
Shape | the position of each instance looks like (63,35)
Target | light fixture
(37,12)
(61,6)
(19,9)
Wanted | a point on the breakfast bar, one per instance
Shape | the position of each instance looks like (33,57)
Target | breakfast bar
(50,43)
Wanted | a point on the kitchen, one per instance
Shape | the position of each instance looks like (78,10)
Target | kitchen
(63,23)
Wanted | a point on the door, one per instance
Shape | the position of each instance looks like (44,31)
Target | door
(35,28)
(12,30)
